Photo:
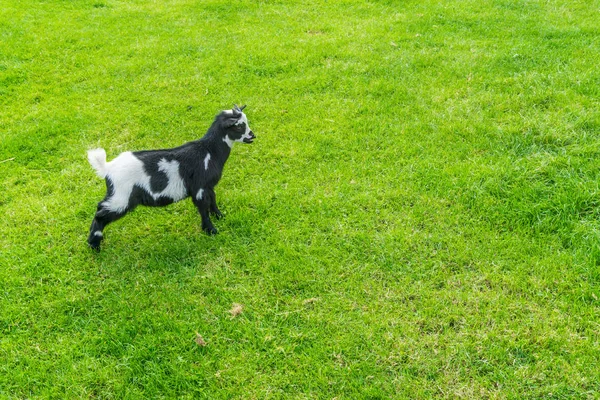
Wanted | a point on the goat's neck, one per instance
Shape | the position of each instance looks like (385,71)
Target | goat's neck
(218,148)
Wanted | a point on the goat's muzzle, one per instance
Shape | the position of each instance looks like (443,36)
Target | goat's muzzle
(250,139)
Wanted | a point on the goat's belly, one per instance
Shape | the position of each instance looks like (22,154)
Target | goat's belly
(141,196)
(159,202)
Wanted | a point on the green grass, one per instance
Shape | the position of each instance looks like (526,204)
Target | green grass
(418,217)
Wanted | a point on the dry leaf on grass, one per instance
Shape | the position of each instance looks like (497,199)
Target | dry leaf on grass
(200,340)
(310,301)
(236,310)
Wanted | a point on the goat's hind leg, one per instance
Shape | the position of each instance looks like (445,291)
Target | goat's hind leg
(102,218)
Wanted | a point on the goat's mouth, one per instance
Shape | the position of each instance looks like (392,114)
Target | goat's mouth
(250,139)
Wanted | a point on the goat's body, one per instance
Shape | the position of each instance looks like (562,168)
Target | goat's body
(161,177)
(143,180)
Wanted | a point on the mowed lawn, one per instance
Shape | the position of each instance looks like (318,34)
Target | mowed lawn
(418,217)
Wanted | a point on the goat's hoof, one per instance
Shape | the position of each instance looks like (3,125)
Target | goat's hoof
(95,247)
(211,231)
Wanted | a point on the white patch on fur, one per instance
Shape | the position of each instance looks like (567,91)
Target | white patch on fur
(228,141)
(200,194)
(244,120)
(127,171)
(206,160)
(124,172)
(98,233)
(175,188)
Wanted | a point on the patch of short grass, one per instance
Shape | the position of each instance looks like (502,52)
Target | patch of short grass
(417,219)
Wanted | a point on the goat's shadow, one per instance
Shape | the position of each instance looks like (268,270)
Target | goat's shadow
(170,250)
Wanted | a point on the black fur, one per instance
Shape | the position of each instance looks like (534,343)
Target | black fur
(192,172)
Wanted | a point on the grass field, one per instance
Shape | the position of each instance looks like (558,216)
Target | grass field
(418,217)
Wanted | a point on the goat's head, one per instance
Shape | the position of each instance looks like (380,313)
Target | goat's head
(236,126)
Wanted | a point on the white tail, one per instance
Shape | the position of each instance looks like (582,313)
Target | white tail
(97,158)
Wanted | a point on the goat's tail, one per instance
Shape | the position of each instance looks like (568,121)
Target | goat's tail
(97,158)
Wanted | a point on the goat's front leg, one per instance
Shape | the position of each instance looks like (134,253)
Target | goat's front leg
(203,203)
(214,210)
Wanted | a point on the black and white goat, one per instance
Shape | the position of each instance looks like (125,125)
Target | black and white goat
(161,177)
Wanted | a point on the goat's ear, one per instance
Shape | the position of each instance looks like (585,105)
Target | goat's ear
(231,121)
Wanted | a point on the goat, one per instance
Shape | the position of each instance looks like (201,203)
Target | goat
(161,177)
